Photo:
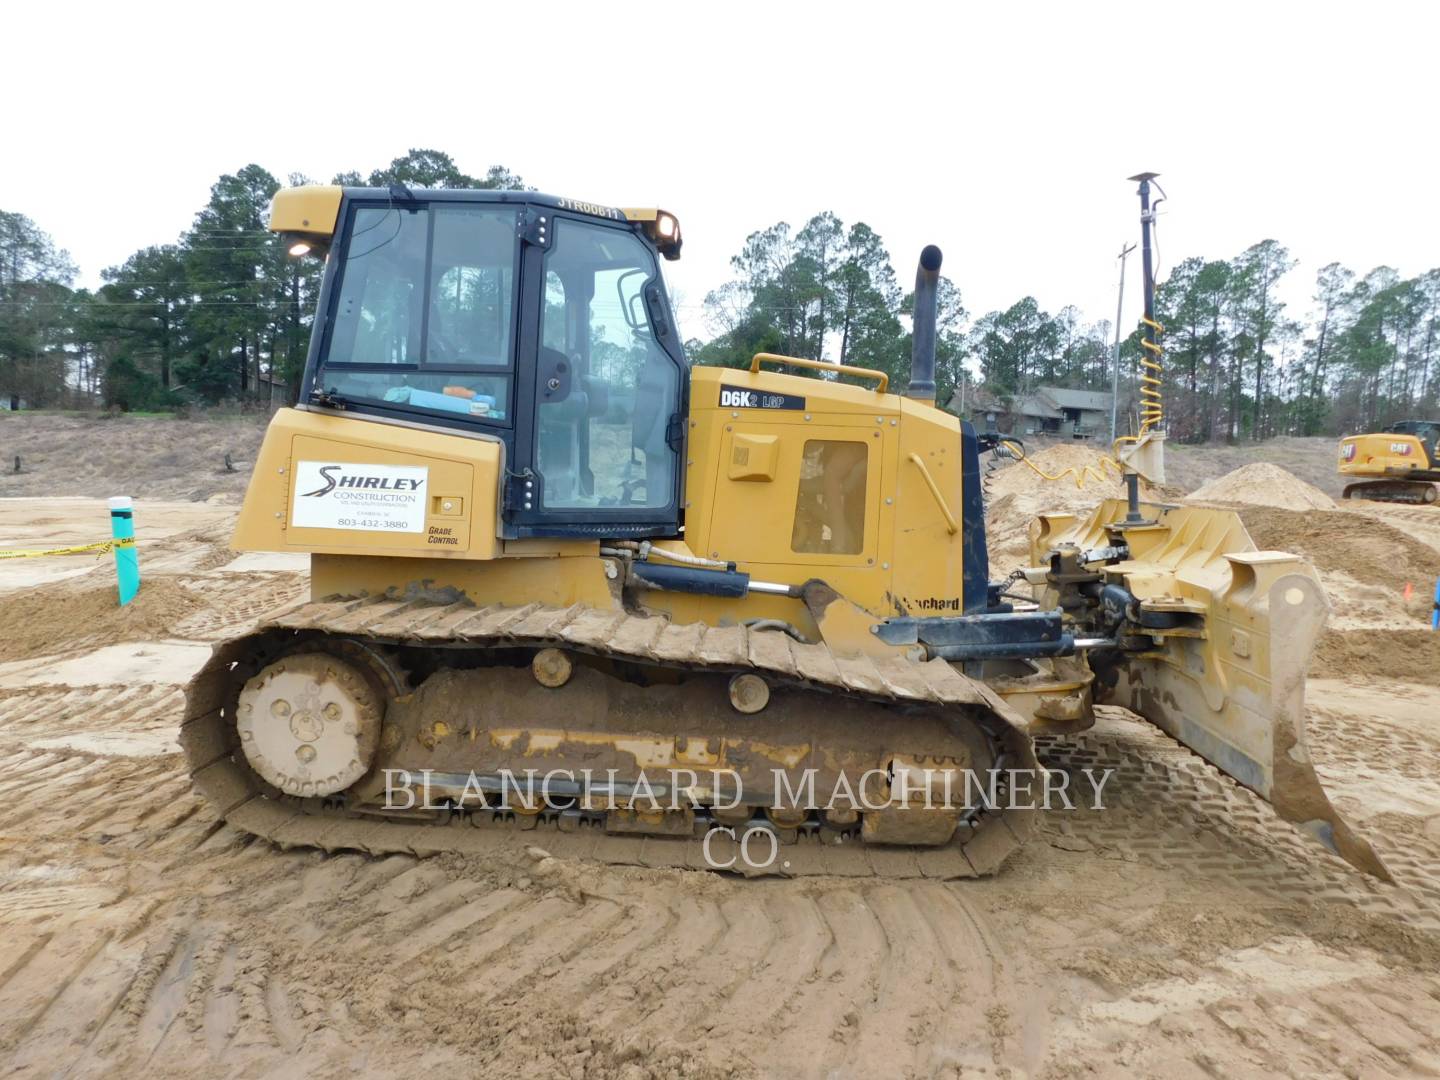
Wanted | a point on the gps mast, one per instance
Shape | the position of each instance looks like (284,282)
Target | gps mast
(1143,454)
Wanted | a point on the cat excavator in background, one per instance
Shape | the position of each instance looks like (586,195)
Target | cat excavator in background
(1398,464)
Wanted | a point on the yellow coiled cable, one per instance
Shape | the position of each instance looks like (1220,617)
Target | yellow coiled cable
(1078,473)
(1152,379)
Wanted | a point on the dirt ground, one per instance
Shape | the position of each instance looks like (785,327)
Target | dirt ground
(157,457)
(1182,931)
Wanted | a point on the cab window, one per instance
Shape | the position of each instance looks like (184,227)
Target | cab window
(424,317)
(606,389)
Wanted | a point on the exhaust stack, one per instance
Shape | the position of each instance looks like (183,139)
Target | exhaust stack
(922,350)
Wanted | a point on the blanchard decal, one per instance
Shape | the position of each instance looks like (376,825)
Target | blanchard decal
(379,498)
(934,603)
(733,397)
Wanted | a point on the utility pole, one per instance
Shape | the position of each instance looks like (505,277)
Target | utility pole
(1115,354)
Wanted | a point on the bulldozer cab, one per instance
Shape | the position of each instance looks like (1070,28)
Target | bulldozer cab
(531,320)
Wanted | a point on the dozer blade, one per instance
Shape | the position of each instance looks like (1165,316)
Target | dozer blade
(1230,682)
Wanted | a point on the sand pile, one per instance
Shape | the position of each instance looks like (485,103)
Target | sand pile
(1368,551)
(1016,494)
(1364,565)
(1263,484)
(39,622)
(1373,631)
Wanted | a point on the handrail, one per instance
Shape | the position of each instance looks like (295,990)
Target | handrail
(950,526)
(822,365)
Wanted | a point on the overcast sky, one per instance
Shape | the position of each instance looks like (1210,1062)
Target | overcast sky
(1002,132)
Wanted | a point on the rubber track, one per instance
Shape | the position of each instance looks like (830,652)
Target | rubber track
(221,774)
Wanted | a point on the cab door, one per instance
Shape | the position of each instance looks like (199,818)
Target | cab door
(602,450)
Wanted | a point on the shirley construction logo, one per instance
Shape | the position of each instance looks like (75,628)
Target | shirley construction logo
(341,495)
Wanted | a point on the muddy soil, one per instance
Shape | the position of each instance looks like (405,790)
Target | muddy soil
(1182,931)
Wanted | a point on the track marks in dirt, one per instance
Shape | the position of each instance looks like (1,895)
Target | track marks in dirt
(29,997)
(58,794)
(1168,808)
(115,721)
(832,977)
(140,932)
(815,977)
(187,992)
(237,601)
(456,923)
(1281,1009)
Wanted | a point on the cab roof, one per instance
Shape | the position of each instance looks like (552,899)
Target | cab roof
(313,210)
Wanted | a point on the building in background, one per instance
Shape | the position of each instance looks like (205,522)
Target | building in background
(1046,410)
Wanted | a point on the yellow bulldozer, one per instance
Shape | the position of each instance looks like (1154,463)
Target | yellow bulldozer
(1399,464)
(566,586)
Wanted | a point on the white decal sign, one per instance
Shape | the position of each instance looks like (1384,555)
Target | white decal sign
(342,495)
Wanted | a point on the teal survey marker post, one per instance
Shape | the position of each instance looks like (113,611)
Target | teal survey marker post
(127,562)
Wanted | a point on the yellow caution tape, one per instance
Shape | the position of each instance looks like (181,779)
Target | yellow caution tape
(99,549)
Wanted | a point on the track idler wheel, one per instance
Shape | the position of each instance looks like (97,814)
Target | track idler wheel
(551,668)
(749,693)
(309,724)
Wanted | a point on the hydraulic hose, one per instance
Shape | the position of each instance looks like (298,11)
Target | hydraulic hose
(647,549)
